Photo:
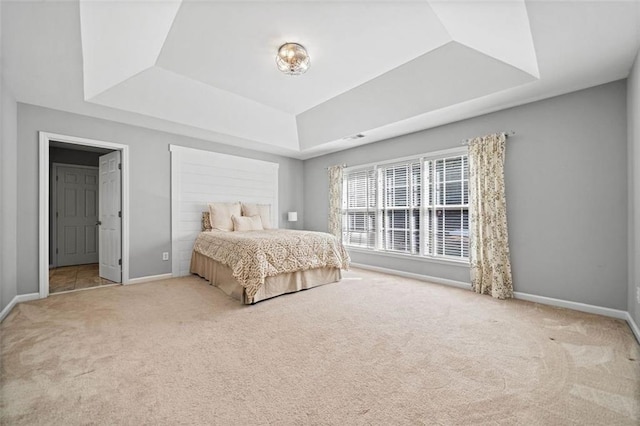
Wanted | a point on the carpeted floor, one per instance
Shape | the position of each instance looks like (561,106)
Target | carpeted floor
(372,349)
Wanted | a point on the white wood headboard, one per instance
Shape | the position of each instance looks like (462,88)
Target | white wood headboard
(201,177)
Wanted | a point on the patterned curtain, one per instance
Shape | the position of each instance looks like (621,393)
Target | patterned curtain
(489,240)
(335,201)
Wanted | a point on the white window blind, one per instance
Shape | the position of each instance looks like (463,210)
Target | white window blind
(400,208)
(359,204)
(448,207)
(417,206)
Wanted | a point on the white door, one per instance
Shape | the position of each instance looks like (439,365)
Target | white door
(76,215)
(110,220)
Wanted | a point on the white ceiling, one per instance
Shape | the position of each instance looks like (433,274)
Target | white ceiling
(207,69)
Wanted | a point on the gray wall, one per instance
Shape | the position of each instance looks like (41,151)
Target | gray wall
(8,189)
(8,197)
(633,114)
(566,172)
(566,177)
(149,185)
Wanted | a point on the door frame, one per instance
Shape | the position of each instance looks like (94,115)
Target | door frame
(44,174)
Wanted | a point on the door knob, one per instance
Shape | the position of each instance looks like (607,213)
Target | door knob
(98,223)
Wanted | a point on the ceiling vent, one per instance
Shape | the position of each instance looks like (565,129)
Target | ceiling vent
(354,137)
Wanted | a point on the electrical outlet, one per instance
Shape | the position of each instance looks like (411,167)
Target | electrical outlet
(165,255)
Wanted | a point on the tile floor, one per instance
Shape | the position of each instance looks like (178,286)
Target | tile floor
(75,277)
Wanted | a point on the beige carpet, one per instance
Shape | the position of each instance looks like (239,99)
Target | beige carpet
(372,349)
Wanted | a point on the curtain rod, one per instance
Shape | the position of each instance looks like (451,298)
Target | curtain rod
(506,135)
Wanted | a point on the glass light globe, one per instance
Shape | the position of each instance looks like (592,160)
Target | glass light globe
(292,59)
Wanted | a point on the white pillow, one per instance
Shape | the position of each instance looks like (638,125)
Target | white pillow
(262,210)
(247,223)
(220,215)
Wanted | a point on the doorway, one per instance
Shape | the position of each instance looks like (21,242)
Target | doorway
(73,236)
(74,249)
(84,205)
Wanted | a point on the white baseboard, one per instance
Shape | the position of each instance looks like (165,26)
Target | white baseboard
(576,306)
(149,278)
(633,326)
(420,277)
(18,299)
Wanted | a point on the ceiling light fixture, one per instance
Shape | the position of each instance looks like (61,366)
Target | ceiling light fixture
(292,59)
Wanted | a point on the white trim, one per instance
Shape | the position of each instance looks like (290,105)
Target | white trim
(176,152)
(17,299)
(444,281)
(53,196)
(428,174)
(576,306)
(43,219)
(43,230)
(421,258)
(633,326)
(429,155)
(150,278)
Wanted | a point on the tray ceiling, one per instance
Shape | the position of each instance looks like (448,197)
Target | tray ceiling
(207,69)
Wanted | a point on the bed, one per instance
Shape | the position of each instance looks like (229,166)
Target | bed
(250,263)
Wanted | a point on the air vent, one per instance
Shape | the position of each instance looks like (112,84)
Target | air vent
(354,137)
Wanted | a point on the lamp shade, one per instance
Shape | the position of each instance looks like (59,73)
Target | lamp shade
(292,216)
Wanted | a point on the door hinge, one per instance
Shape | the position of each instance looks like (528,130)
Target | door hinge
(56,251)
(119,166)
(120,262)
(56,214)
(56,177)
(119,214)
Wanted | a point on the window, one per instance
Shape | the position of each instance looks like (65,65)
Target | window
(359,204)
(448,208)
(416,206)
(400,208)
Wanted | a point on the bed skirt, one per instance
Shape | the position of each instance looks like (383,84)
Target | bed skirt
(221,276)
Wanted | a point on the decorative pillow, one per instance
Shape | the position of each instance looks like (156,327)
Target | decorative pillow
(247,223)
(206,221)
(220,215)
(262,210)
